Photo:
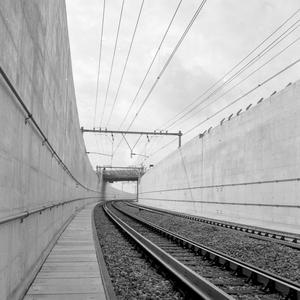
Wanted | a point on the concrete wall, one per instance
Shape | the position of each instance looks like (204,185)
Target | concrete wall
(35,55)
(231,173)
(111,193)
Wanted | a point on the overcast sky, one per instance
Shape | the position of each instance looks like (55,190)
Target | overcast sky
(223,34)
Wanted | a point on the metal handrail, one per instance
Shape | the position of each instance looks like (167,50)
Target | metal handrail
(27,213)
(220,202)
(224,185)
(45,140)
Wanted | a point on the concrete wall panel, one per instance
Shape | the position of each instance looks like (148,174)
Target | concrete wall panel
(35,56)
(231,173)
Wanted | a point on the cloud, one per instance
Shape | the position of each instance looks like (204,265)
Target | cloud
(224,33)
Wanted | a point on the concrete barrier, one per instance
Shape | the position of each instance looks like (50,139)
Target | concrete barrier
(45,173)
(245,170)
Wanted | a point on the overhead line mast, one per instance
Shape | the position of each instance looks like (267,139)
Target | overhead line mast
(179,134)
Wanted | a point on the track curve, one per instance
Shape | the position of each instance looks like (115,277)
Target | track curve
(232,276)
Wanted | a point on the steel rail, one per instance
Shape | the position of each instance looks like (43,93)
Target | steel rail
(195,285)
(26,213)
(253,232)
(271,282)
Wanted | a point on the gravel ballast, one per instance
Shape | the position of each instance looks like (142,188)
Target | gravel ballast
(132,277)
(270,256)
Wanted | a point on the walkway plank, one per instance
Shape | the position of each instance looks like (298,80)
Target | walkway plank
(71,270)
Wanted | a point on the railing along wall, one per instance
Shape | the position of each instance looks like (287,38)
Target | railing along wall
(26,213)
(219,202)
(221,186)
(45,140)
(224,185)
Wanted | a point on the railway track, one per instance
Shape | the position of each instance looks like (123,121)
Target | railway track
(201,272)
(282,238)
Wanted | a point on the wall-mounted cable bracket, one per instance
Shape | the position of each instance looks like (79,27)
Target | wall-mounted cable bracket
(28,118)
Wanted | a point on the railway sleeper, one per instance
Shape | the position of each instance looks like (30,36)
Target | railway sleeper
(206,256)
(269,285)
(215,261)
(292,295)
(238,271)
(177,284)
(214,274)
(224,282)
(192,249)
(256,232)
(225,265)
(232,291)
(252,278)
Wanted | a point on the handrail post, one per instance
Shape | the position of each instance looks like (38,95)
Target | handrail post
(179,134)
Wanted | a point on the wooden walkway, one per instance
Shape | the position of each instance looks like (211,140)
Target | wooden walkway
(71,270)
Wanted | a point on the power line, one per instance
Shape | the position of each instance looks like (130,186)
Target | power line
(101,158)
(99,63)
(240,71)
(232,78)
(99,68)
(169,60)
(229,73)
(246,94)
(149,68)
(238,99)
(151,148)
(113,59)
(162,148)
(129,51)
(167,63)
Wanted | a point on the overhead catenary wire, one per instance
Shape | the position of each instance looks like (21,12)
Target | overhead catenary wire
(277,40)
(148,70)
(241,81)
(169,60)
(153,146)
(127,58)
(101,158)
(139,158)
(228,81)
(246,94)
(98,74)
(99,63)
(171,142)
(238,99)
(113,59)
(151,64)
(167,63)
(263,52)
(214,92)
